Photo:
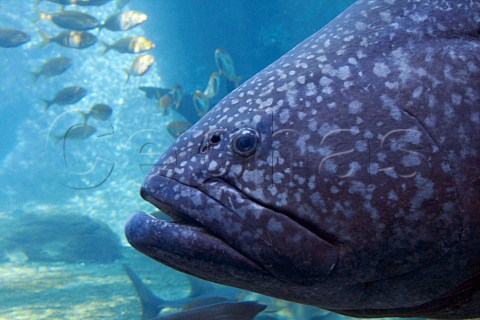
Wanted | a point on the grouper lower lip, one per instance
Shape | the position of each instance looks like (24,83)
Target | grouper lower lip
(176,244)
(256,245)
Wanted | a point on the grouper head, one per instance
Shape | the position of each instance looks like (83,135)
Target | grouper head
(344,175)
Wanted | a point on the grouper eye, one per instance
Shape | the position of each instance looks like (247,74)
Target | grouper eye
(244,142)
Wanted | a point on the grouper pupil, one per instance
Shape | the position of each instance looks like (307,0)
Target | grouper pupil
(245,142)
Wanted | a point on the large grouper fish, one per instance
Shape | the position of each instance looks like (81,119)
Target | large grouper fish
(345,175)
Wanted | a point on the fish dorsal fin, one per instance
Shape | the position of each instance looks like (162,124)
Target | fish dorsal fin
(198,287)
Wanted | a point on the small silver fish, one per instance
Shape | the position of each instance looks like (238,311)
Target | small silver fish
(10,38)
(53,67)
(67,96)
(177,94)
(76,132)
(99,112)
(201,103)
(72,20)
(225,66)
(140,65)
(124,20)
(133,44)
(213,86)
(71,39)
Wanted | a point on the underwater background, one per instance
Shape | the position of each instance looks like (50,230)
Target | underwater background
(67,187)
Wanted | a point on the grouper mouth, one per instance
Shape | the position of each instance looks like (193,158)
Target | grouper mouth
(184,243)
(219,234)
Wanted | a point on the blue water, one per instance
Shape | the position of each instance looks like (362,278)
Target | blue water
(99,177)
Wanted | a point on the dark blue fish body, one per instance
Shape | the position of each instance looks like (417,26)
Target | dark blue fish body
(345,175)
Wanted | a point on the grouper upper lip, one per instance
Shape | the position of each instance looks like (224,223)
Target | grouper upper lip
(205,225)
(185,244)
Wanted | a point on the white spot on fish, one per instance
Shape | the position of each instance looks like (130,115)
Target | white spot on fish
(392,196)
(284,116)
(355,107)
(456,99)
(360,26)
(352,61)
(274,225)
(344,72)
(311,89)
(324,81)
(418,17)
(381,70)
(386,16)
(475,117)
(392,85)
(277,177)
(417,92)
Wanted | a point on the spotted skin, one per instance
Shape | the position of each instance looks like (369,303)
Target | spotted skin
(362,195)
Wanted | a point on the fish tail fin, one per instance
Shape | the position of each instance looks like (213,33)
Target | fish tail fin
(48,103)
(45,39)
(151,304)
(35,76)
(56,139)
(106,48)
(236,81)
(41,15)
(85,116)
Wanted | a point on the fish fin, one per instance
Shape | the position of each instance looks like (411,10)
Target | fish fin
(35,76)
(45,39)
(107,47)
(198,287)
(128,75)
(151,304)
(48,103)
(229,86)
(164,109)
(236,81)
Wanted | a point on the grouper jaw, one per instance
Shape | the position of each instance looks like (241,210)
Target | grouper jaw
(259,245)
(189,249)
